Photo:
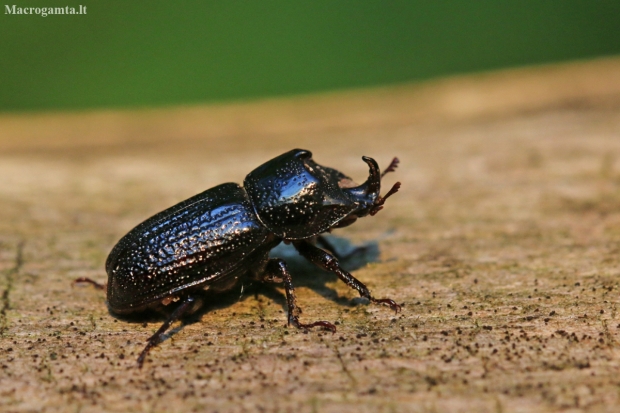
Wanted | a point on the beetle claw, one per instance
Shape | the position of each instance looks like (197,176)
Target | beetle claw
(389,302)
(150,344)
(325,324)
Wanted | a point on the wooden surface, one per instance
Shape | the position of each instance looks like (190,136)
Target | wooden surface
(503,245)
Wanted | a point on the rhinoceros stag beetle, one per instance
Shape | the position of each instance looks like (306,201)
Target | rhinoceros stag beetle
(225,233)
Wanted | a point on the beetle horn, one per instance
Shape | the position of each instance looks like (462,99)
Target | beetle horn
(373,183)
(371,188)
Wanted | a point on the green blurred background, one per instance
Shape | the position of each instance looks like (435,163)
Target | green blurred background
(159,53)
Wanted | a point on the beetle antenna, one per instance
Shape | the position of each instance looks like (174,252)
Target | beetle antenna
(381,200)
(392,167)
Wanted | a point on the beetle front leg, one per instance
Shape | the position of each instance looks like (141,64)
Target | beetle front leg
(186,306)
(328,262)
(277,272)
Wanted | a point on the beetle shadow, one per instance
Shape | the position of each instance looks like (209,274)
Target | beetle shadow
(306,274)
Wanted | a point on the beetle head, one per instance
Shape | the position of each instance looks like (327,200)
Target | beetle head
(296,198)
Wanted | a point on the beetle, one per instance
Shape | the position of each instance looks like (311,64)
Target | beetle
(224,234)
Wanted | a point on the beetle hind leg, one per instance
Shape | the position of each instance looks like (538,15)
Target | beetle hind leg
(86,280)
(186,307)
(276,271)
(328,262)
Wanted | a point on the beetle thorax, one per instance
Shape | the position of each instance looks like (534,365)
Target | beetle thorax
(296,198)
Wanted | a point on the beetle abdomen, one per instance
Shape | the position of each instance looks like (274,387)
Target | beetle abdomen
(204,238)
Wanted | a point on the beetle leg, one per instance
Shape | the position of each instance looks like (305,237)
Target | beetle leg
(327,245)
(328,262)
(324,242)
(186,306)
(98,286)
(277,272)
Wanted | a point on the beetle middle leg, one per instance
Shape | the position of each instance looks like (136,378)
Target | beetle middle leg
(327,261)
(188,304)
(276,271)
(97,285)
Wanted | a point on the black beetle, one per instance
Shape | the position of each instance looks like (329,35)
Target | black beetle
(213,239)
